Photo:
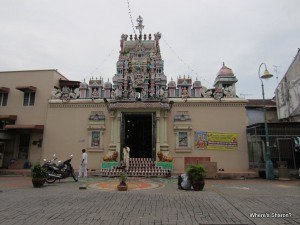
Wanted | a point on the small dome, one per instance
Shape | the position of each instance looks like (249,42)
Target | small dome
(197,83)
(83,85)
(172,83)
(107,85)
(225,71)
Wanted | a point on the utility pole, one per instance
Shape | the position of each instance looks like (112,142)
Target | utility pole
(276,71)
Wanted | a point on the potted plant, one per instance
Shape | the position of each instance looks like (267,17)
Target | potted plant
(122,185)
(39,175)
(196,174)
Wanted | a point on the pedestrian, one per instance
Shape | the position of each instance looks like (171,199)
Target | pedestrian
(83,165)
(184,182)
(126,151)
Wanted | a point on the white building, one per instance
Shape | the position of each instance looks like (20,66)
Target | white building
(288,93)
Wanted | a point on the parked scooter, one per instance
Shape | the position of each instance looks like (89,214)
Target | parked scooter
(60,171)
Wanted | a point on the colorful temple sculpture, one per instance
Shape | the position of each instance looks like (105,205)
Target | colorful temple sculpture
(140,76)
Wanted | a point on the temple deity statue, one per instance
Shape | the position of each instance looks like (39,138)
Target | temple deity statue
(184,94)
(113,94)
(95,93)
(119,92)
(75,93)
(157,36)
(161,92)
(229,92)
(218,94)
(131,92)
(126,67)
(65,93)
(123,39)
(56,93)
(152,93)
(206,93)
(138,80)
(144,93)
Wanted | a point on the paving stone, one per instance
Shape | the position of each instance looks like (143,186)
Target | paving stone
(221,202)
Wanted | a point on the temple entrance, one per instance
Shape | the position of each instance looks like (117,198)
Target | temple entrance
(138,134)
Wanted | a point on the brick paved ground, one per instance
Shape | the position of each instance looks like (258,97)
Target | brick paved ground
(222,202)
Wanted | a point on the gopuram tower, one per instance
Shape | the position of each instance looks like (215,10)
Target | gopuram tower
(140,68)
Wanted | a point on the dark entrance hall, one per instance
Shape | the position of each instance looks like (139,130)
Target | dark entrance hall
(137,130)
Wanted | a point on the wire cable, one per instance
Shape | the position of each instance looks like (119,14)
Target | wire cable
(130,16)
(102,62)
(183,62)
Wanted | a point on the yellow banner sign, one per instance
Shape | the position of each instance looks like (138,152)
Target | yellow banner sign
(215,141)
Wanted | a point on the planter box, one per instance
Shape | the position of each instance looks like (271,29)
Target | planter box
(109,165)
(166,165)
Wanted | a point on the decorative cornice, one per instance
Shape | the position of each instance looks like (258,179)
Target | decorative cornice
(209,100)
(139,105)
(209,104)
(77,105)
(177,102)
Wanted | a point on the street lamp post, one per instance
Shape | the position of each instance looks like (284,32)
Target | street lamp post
(269,164)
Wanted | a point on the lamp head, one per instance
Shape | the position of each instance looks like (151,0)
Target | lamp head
(266,75)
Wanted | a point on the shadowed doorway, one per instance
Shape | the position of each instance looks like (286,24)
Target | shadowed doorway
(138,134)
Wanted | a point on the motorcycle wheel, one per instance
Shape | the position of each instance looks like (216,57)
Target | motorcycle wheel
(50,180)
(74,176)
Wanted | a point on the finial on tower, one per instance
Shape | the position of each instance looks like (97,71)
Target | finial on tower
(140,25)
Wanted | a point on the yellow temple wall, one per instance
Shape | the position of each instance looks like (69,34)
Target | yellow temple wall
(67,130)
(225,116)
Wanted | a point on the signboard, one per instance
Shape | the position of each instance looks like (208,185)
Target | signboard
(215,141)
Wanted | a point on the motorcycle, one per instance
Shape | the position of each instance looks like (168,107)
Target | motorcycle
(60,171)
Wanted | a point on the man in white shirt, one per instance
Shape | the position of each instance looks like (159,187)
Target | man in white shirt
(126,151)
(83,165)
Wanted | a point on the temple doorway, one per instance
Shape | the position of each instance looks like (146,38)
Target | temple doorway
(138,134)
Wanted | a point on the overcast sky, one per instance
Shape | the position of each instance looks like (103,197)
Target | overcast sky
(81,38)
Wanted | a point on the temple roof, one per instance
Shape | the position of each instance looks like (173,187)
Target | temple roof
(225,71)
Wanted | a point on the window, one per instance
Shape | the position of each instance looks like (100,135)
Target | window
(183,139)
(95,142)
(5,122)
(183,131)
(96,128)
(29,98)
(3,99)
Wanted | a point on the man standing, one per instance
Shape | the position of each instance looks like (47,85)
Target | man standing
(83,165)
(126,151)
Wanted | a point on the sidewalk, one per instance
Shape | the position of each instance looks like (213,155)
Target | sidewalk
(252,201)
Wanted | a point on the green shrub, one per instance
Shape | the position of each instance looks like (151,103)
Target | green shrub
(196,172)
(37,171)
(123,176)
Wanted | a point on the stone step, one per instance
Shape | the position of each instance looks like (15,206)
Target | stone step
(111,173)
(138,167)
